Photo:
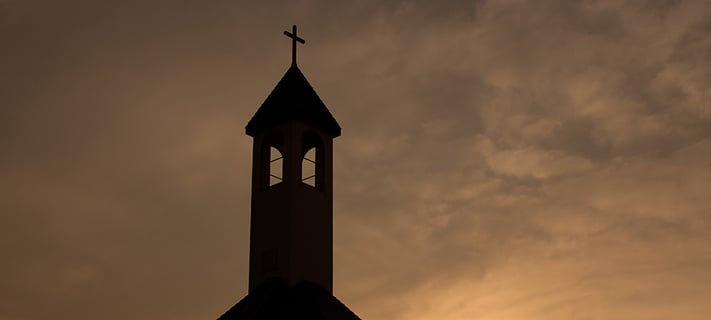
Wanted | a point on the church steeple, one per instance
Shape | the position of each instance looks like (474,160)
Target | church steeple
(291,231)
(291,235)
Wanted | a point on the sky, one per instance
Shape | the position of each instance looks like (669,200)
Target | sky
(499,160)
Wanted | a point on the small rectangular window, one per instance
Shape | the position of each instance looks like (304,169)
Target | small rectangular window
(269,261)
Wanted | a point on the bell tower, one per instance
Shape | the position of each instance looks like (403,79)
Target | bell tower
(291,231)
(291,234)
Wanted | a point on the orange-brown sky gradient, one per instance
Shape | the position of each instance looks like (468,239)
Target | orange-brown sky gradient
(500,160)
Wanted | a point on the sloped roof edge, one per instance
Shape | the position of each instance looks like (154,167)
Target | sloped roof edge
(275,300)
(293,98)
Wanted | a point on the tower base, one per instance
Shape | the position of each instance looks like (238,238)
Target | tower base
(275,300)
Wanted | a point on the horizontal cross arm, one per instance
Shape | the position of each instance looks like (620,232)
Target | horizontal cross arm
(296,38)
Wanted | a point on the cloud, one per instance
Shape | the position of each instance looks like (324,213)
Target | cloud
(499,160)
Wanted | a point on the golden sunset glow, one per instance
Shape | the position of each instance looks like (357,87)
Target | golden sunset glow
(499,160)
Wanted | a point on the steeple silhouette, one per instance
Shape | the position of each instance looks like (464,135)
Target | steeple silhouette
(293,98)
(291,232)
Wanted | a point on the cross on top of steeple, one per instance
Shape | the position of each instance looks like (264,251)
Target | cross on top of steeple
(294,39)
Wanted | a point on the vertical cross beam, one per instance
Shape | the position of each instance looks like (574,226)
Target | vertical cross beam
(294,39)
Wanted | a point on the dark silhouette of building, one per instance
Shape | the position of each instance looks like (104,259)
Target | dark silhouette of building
(291,236)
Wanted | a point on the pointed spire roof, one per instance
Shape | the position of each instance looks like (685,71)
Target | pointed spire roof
(293,98)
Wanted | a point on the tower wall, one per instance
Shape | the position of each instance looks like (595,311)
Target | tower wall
(291,222)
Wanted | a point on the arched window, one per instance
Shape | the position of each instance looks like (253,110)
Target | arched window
(276,166)
(312,163)
(271,160)
(308,168)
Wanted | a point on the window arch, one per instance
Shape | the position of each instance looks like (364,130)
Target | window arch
(276,166)
(308,168)
(312,160)
(272,160)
